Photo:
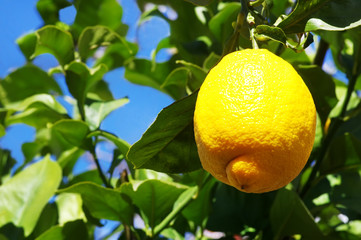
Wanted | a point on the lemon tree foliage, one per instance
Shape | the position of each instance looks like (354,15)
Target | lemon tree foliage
(157,188)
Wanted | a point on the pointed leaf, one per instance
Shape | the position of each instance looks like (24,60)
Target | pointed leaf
(289,216)
(98,111)
(94,37)
(103,203)
(69,207)
(168,145)
(312,15)
(25,82)
(27,44)
(73,132)
(53,40)
(154,198)
(24,196)
(268,32)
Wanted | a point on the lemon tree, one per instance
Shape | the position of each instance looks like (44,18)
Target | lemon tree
(262,140)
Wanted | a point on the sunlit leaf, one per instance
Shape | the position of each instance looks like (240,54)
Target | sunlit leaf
(73,132)
(103,203)
(24,195)
(69,207)
(98,111)
(154,198)
(53,40)
(25,82)
(168,145)
(80,80)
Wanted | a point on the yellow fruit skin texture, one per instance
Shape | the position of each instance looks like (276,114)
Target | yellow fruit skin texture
(254,121)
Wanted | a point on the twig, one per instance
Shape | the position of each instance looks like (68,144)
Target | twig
(321,53)
(101,174)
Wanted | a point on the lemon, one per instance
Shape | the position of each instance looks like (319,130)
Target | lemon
(254,121)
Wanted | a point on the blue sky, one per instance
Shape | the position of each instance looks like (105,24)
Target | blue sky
(129,122)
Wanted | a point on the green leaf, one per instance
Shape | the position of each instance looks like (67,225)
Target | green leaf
(72,132)
(154,198)
(6,163)
(289,216)
(98,111)
(68,158)
(27,44)
(196,75)
(199,210)
(37,111)
(49,9)
(268,32)
(53,40)
(183,200)
(100,92)
(47,219)
(70,231)
(148,73)
(322,15)
(80,80)
(346,192)
(25,82)
(168,145)
(69,207)
(250,210)
(221,24)
(211,61)
(103,203)
(176,82)
(322,88)
(94,37)
(344,154)
(25,195)
(200,2)
(2,131)
(93,12)
(117,55)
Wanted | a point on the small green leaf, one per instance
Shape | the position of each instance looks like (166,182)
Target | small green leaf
(98,111)
(117,55)
(94,37)
(53,40)
(80,80)
(322,88)
(268,32)
(289,216)
(49,9)
(71,230)
(27,44)
(68,158)
(25,82)
(322,15)
(6,162)
(25,195)
(103,203)
(69,207)
(168,145)
(176,82)
(196,75)
(221,24)
(37,111)
(154,198)
(145,72)
(73,132)
(93,12)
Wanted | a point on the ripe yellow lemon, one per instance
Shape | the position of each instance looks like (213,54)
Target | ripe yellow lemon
(254,121)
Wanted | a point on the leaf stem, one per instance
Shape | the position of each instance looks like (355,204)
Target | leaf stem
(97,163)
